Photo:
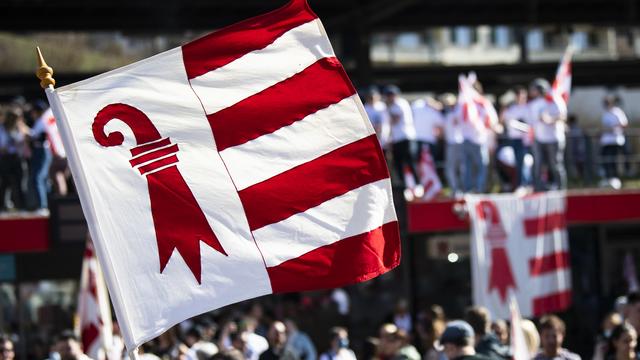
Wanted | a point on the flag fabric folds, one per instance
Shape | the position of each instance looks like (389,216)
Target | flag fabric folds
(519,248)
(238,165)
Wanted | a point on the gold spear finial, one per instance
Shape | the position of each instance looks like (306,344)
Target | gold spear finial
(44,72)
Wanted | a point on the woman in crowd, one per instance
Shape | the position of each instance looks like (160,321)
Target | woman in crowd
(622,343)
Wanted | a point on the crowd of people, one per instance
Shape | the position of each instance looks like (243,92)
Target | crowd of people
(29,167)
(523,149)
(250,331)
(523,144)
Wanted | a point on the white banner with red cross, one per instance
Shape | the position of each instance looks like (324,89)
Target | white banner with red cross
(519,247)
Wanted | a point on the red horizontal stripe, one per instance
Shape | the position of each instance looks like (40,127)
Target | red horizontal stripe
(351,260)
(316,87)
(148,147)
(551,303)
(30,234)
(154,155)
(314,182)
(158,164)
(232,42)
(549,263)
(545,224)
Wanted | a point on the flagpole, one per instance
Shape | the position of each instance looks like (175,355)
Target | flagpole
(45,74)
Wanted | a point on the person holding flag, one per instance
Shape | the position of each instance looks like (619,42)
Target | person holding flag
(547,121)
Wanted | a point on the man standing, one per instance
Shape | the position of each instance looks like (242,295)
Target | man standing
(552,331)
(515,118)
(476,133)
(548,129)
(454,160)
(457,341)
(612,140)
(403,136)
(428,120)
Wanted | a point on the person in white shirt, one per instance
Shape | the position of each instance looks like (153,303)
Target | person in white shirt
(514,118)
(453,159)
(403,135)
(549,133)
(476,147)
(428,121)
(377,113)
(612,140)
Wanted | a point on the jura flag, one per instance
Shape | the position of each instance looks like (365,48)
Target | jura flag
(519,248)
(238,165)
(94,311)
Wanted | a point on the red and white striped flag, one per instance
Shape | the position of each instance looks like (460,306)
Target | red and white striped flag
(94,310)
(561,87)
(519,247)
(238,165)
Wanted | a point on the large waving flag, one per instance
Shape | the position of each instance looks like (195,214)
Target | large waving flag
(238,165)
(561,87)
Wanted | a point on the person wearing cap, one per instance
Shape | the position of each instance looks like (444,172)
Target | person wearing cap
(547,122)
(403,136)
(457,341)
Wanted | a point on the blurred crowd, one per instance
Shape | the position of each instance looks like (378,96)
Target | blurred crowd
(30,166)
(522,147)
(526,147)
(253,331)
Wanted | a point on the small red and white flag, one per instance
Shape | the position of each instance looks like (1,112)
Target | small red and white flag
(485,105)
(94,310)
(519,248)
(428,175)
(561,87)
(517,340)
(53,134)
(238,165)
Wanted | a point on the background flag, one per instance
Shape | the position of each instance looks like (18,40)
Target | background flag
(561,87)
(94,310)
(519,247)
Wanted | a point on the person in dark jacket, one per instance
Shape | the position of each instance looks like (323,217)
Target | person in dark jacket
(458,340)
(486,343)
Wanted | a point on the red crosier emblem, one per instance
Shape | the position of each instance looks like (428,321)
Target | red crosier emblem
(500,276)
(177,218)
